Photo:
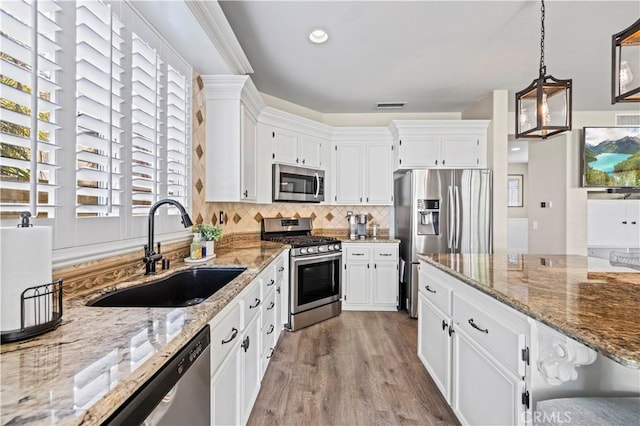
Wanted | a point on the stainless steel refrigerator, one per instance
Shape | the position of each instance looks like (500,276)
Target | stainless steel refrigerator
(439,211)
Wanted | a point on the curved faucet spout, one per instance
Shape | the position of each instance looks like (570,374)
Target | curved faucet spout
(150,256)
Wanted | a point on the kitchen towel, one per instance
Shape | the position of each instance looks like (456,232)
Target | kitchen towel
(25,261)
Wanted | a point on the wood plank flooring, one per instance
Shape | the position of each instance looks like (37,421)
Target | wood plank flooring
(360,368)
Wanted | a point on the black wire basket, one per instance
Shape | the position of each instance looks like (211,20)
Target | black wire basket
(40,308)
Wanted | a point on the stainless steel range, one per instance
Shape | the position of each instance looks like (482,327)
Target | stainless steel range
(315,264)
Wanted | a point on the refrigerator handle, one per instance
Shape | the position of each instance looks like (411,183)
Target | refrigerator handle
(451,218)
(457,194)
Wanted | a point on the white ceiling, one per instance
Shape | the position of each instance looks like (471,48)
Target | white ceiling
(438,56)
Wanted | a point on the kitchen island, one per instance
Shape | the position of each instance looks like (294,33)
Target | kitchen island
(598,309)
(85,369)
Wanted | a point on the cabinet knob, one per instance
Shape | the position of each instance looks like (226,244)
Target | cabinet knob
(633,222)
(443,162)
(297,160)
(436,162)
(303,161)
(245,344)
(246,194)
(624,222)
(444,324)
(360,199)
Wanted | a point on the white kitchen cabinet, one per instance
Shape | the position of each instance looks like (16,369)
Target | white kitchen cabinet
(225,389)
(613,223)
(297,149)
(484,392)
(434,344)
(363,173)
(231,154)
(251,366)
(282,291)
(370,278)
(473,347)
(440,144)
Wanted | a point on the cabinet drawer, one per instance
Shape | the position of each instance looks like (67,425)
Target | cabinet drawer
(357,253)
(437,293)
(279,268)
(224,334)
(251,304)
(269,307)
(268,282)
(489,328)
(268,332)
(385,252)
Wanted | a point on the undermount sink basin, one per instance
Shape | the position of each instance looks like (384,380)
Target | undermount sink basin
(184,288)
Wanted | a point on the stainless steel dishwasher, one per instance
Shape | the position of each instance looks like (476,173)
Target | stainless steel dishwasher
(178,394)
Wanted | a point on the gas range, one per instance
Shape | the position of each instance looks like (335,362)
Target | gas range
(297,233)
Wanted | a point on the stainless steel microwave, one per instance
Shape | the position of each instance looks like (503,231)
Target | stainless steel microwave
(297,184)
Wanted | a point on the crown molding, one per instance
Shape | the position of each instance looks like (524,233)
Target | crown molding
(214,23)
(359,134)
(418,127)
(278,118)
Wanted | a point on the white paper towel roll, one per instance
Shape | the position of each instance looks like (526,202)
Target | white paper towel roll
(25,261)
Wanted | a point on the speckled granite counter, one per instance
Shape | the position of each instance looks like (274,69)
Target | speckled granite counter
(370,240)
(599,309)
(81,372)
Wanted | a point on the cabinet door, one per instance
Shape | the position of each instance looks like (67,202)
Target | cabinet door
(385,283)
(348,177)
(250,367)
(633,223)
(484,393)
(460,151)
(379,177)
(434,344)
(357,283)
(310,151)
(249,157)
(605,225)
(285,147)
(419,152)
(225,390)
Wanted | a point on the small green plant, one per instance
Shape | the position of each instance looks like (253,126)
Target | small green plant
(209,232)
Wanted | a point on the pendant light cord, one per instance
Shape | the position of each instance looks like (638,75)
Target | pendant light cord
(543,68)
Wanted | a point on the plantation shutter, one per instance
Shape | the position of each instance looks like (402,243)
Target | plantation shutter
(146,112)
(177,137)
(29,99)
(99,87)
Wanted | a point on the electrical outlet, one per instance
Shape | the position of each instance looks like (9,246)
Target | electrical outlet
(535,225)
(545,205)
(221,217)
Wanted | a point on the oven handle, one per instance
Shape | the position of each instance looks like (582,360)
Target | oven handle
(321,257)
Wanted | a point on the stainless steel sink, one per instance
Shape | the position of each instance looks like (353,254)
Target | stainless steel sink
(184,288)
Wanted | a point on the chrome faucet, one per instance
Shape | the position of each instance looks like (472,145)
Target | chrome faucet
(150,256)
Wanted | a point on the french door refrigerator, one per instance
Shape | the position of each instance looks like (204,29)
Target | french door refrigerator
(439,211)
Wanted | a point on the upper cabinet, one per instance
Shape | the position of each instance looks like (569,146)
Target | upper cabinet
(362,168)
(296,149)
(232,107)
(447,144)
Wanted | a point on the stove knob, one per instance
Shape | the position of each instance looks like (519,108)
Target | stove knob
(312,249)
(322,248)
(303,251)
(336,247)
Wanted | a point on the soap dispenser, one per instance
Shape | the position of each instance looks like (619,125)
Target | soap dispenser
(196,247)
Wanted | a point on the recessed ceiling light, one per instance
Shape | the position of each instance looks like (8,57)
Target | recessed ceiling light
(517,148)
(318,36)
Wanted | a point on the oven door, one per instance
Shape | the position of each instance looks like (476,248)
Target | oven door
(315,281)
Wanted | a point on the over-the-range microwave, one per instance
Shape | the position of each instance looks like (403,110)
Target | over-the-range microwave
(297,184)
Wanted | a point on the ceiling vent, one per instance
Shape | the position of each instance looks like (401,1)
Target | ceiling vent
(390,105)
(628,119)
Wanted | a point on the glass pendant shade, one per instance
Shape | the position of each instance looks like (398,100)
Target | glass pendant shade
(625,65)
(543,109)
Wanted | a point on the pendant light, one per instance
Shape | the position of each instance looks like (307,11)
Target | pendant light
(543,109)
(625,65)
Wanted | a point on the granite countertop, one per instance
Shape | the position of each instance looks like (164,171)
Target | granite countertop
(370,240)
(598,309)
(85,369)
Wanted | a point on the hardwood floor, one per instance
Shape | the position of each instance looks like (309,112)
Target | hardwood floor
(358,368)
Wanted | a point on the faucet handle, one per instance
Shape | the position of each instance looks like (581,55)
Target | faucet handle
(158,248)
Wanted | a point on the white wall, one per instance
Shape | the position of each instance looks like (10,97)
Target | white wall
(494,107)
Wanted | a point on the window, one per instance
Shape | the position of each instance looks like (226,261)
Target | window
(94,162)
(30,104)
(514,191)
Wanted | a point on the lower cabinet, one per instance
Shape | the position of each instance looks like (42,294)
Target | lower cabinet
(244,336)
(474,348)
(370,276)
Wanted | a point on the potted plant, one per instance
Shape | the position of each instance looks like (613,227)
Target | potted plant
(210,234)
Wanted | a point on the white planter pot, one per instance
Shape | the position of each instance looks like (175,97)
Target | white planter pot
(210,248)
